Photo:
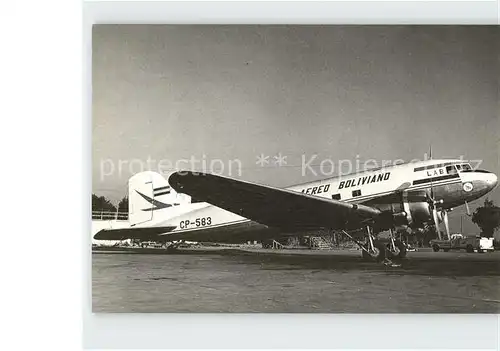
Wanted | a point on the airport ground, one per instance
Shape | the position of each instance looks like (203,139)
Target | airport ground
(259,280)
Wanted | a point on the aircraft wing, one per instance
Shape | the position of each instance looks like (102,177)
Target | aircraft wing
(274,207)
(142,233)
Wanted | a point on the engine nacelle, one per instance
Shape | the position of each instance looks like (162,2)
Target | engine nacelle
(416,207)
(406,209)
(419,213)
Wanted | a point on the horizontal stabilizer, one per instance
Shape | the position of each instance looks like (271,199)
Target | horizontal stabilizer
(142,233)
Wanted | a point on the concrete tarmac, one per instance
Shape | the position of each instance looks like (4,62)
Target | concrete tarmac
(257,280)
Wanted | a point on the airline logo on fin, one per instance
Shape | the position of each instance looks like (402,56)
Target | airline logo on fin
(158,204)
(161,191)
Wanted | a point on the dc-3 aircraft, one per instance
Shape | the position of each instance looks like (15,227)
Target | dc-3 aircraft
(361,205)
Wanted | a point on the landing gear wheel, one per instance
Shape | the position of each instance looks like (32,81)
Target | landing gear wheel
(469,248)
(435,248)
(366,255)
(377,253)
(379,249)
(400,251)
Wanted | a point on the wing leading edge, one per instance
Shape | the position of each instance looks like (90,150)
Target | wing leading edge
(274,207)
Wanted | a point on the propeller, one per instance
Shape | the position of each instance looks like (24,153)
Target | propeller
(467,209)
(433,202)
(446,223)
(433,207)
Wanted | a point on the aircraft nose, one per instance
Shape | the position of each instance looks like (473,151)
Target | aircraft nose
(492,180)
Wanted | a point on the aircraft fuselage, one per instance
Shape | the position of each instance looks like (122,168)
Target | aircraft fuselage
(402,188)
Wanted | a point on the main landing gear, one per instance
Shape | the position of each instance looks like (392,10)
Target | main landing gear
(376,250)
(396,249)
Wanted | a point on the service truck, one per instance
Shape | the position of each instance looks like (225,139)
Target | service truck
(461,242)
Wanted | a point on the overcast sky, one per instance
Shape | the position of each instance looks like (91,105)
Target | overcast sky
(343,93)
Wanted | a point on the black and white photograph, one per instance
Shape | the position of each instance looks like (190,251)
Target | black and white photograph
(295,168)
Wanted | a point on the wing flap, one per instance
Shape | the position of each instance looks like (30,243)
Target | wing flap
(274,207)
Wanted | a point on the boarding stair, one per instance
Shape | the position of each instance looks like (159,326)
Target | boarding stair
(277,245)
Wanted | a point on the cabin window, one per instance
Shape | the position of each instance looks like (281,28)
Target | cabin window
(336,196)
(356,193)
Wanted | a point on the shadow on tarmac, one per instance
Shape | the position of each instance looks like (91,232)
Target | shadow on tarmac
(449,264)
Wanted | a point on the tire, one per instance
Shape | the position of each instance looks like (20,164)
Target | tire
(381,250)
(365,255)
(435,248)
(401,248)
(380,255)
(469,248)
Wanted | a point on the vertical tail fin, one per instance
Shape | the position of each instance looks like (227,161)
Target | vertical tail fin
(150,196)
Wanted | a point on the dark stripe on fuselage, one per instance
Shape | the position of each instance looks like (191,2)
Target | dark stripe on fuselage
(435,179)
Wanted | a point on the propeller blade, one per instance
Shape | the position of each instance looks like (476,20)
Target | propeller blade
(432,187)
(435,217)
(467,208)
(446,223)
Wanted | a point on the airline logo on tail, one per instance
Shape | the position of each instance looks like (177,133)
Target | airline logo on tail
(158,205)
(161,191)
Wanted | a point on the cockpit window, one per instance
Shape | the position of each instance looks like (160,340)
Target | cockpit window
(451,170)
(464,167)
